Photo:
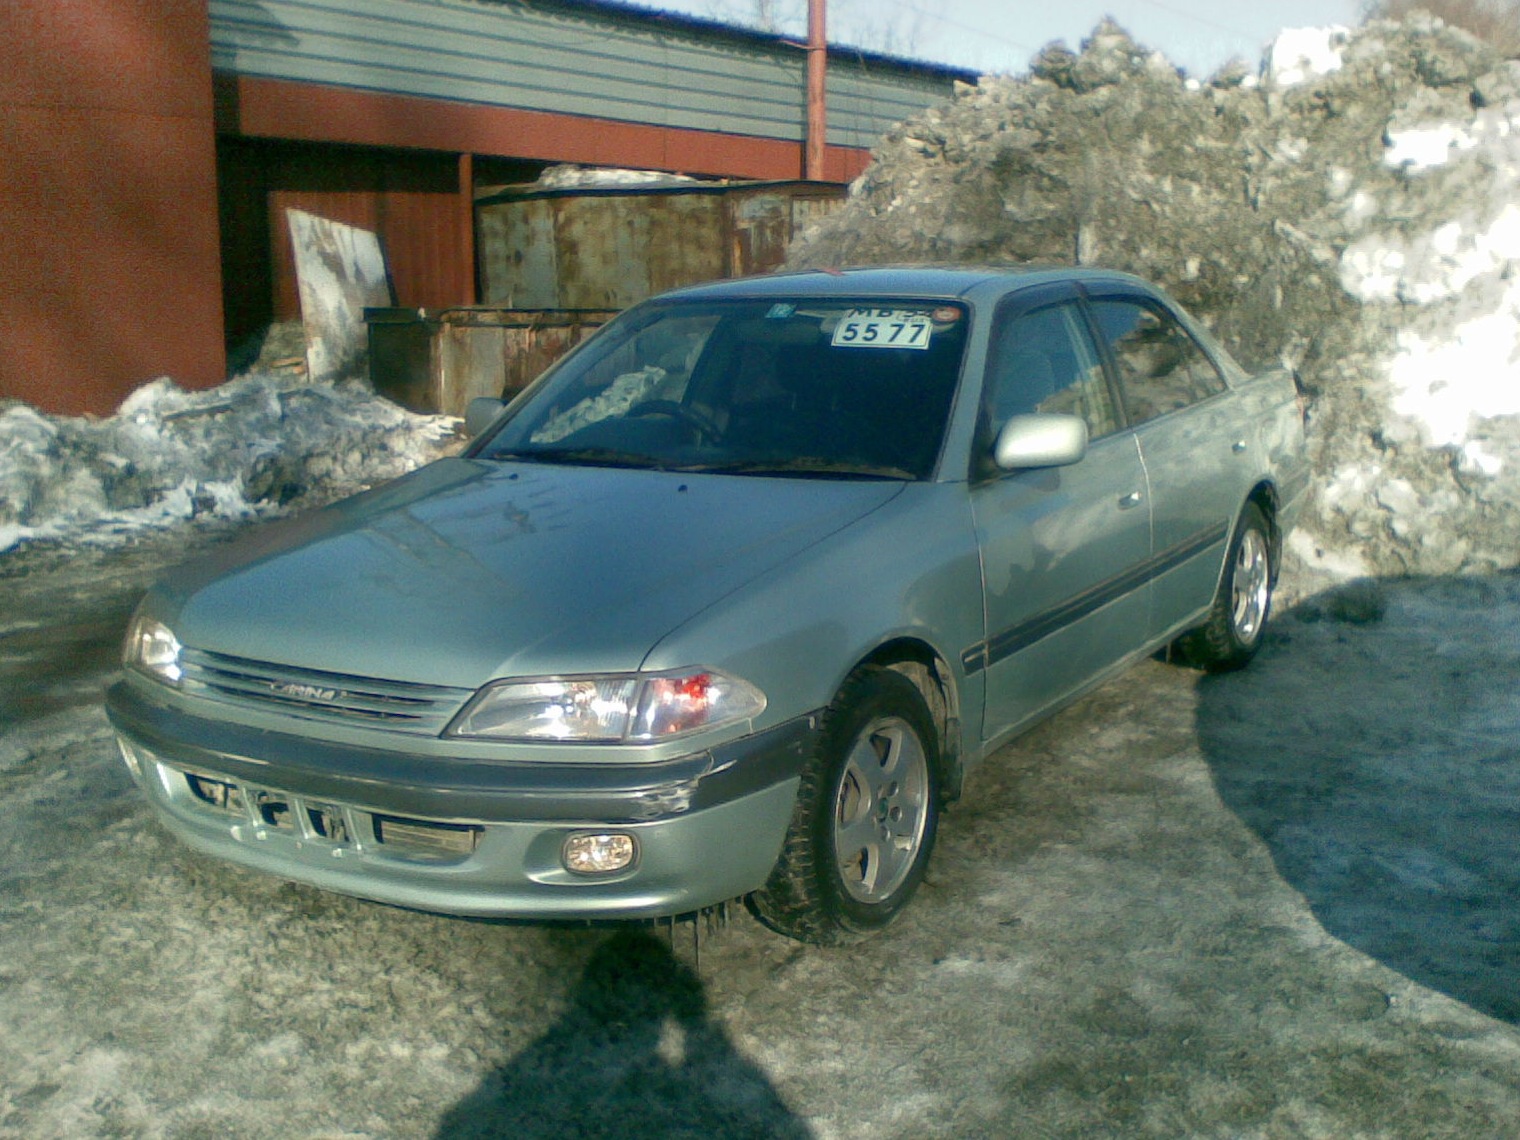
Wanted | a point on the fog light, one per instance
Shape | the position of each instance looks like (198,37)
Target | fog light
(599,854)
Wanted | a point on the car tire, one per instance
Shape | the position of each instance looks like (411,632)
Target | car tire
(866,815)
(1232,634)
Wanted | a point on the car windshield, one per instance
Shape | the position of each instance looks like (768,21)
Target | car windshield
(798,387)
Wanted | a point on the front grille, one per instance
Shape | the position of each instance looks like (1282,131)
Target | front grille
(400,705)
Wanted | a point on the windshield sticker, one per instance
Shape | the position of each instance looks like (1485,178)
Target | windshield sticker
(780,311)
(883,328)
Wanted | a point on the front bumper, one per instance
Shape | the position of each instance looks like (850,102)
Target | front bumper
(464,836)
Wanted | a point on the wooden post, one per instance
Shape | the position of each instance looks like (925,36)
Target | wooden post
(467,227)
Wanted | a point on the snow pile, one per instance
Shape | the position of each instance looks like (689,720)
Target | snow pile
(1353,210)
(1301,54)
(255,445)
(568,176)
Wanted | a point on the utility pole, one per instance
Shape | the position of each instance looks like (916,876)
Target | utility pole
(817,110)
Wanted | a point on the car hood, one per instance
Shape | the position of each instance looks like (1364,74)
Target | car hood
(471,570)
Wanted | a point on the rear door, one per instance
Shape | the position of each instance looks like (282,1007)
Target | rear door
(1197,464)
(1063,548)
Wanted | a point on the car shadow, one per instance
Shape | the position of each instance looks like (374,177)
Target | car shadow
(636,1054)
(1374,746)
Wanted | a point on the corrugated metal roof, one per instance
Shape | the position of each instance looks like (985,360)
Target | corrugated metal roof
(598,60)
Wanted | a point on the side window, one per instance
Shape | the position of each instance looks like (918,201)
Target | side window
(1044,361)
(1161,367)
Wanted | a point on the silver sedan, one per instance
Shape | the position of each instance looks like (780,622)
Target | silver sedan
(726,604)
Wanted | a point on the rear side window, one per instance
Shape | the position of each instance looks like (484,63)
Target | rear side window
(1161,367)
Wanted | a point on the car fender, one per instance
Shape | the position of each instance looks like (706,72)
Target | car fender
(908,571)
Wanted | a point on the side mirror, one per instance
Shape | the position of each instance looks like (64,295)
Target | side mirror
(478,416)
(1044,440)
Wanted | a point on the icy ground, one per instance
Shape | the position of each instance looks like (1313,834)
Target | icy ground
(1275,904)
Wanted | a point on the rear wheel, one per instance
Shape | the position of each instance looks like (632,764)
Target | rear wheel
(1232,634)
(865,819)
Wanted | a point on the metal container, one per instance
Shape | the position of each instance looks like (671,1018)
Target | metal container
(440,360)
(610,247)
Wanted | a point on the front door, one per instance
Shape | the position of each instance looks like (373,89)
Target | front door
(1064,549)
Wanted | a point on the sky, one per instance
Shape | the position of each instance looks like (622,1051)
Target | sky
(1002,35)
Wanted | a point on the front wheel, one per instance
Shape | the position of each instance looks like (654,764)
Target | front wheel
(865,818)
(1230,636)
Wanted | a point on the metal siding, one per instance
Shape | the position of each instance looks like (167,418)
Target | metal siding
(514,57)
(864,106)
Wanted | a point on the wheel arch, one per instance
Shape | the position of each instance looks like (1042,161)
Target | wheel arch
(1265,496)
(930,674)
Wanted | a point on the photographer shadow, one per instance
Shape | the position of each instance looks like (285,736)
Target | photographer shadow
(636,1055)
(1374,746)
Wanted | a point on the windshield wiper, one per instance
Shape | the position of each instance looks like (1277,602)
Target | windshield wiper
(589,456)
(805,466)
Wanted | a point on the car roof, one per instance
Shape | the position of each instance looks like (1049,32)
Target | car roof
(900,281)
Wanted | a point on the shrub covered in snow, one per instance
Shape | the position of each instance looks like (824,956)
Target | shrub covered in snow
(1352,210)
(255,445)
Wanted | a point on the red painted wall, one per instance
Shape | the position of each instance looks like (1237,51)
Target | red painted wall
(410,198)
(109,260)
(111,265)
(389,163)
(277,108)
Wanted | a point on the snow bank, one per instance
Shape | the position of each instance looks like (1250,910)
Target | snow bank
(571,177)
(1301,54)
(1352,211)
(252,447)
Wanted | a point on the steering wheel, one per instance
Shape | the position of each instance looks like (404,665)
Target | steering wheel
(699,422)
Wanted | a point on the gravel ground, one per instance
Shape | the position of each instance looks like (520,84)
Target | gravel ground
(1279,903)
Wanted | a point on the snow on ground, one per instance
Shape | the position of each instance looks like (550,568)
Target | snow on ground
(256,445)
(1278,903)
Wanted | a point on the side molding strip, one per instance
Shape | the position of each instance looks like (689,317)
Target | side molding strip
(1006,643)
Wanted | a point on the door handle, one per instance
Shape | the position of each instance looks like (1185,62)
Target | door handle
(1130,500)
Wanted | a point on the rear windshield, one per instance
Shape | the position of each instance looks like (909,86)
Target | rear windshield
(798,387)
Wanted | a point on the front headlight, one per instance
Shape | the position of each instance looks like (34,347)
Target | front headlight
(610,709)
(152,648)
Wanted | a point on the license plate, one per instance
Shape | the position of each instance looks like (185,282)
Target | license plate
(883,328)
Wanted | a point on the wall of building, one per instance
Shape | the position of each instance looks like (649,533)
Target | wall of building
(149,148)
(412,199)
(109,260)
(254,107)
(588,60)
